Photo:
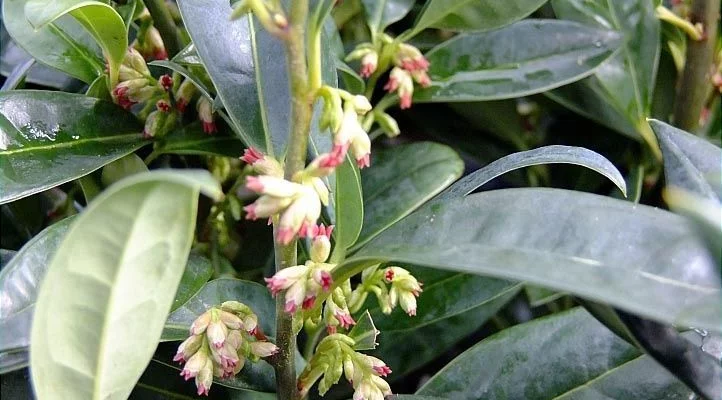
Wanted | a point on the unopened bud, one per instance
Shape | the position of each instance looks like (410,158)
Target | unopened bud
(165,82)
(369,63)
(205,114)
(184,94)
(388,124)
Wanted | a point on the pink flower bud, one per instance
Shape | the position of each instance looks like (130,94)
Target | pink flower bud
(194,365)
(184,94)
(263,349)
(216,333)
(166,82)
(188,348)
(295,295)
(266,206)
(273,186)
(205,114)
(231,320)
(201,323)
(204,379)
(286,277)
(162,106)
(369,62)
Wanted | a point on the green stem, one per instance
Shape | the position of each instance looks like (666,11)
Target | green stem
(163,21)
(696,76)
(301,112)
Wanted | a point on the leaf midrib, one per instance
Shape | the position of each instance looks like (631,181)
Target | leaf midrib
(119,138)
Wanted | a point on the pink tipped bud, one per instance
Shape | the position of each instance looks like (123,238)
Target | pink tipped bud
(285,235)
(232,321)
(308,302)
(251,156)
(263,349)
(166,82)
(364,161)
(273,186)
(389,275)
(162,106)
(205,114)
(290,307)
(184,95)
(323,278)
(369,62)
(194,365)
(201,323)
(382,370)
(216,333)
(422,78)
(344,319)
(286,277)
(188,348)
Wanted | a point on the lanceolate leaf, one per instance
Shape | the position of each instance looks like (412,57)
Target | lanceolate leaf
(63,44)
(472,15)
(103,303)
(564,356)
(100,19)
(624,85)
(349,207)
(554,154)
(690,162)
(382,13)
(632,257)
(400,180)
(49,138)
(452,306)
(524,58)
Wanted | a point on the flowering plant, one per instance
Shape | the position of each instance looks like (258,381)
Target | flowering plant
(240,199)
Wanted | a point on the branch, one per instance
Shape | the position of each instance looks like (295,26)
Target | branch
(696,77)
(163,21)
(301,112)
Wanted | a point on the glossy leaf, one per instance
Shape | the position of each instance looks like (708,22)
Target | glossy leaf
(228,50)
(187,56)
(472,15)
(400,180)
(554,154)
(690,162)
(49,138)
(63,44)
(99,19)
(706,214)
(102,305)
(539,296)
(452,306)
(349,207)
(524,58)
(382,13)
(687,361)
(623,86)
(216,292)
(190,139)
(633,257)
(255,376)
(197,272)
(577,358)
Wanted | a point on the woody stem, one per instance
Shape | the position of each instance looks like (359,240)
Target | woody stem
(301,112)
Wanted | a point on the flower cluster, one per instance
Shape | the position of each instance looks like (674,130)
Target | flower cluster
(137,85)
(335,356)
(391,285)
(303,283)
(407,63)
(295,203)
(341,112)
(221,340)
(149,43)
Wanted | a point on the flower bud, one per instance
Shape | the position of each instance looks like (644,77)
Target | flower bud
(201,323)
(204,378)
(128,93)
(263,349)
(133,66)
(205,114)
(184,94)
(195,364)
(361,104)
(216,332)
(401,81)
(231,321)
(410,58)
(273,186)
(158,124)
(332,114)
(150,44)
(388,124)
(188,348)
(369,63)
(286,277)
(262,163)
(321,244)
(266,206)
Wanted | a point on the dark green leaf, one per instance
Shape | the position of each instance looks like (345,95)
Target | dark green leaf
(687,361)
(400,180)
(623,86)
(690,162)
(538,296)
(543,155)
(100,20)
(630,256)
(705,214)
(564,356)
(351,80)
(49,138)
(198,270)
(472,15)
(382,13)
(255,376)
(216,292)
(63,44)
(452,306)
(191,139)
(102,305)
(515,61)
